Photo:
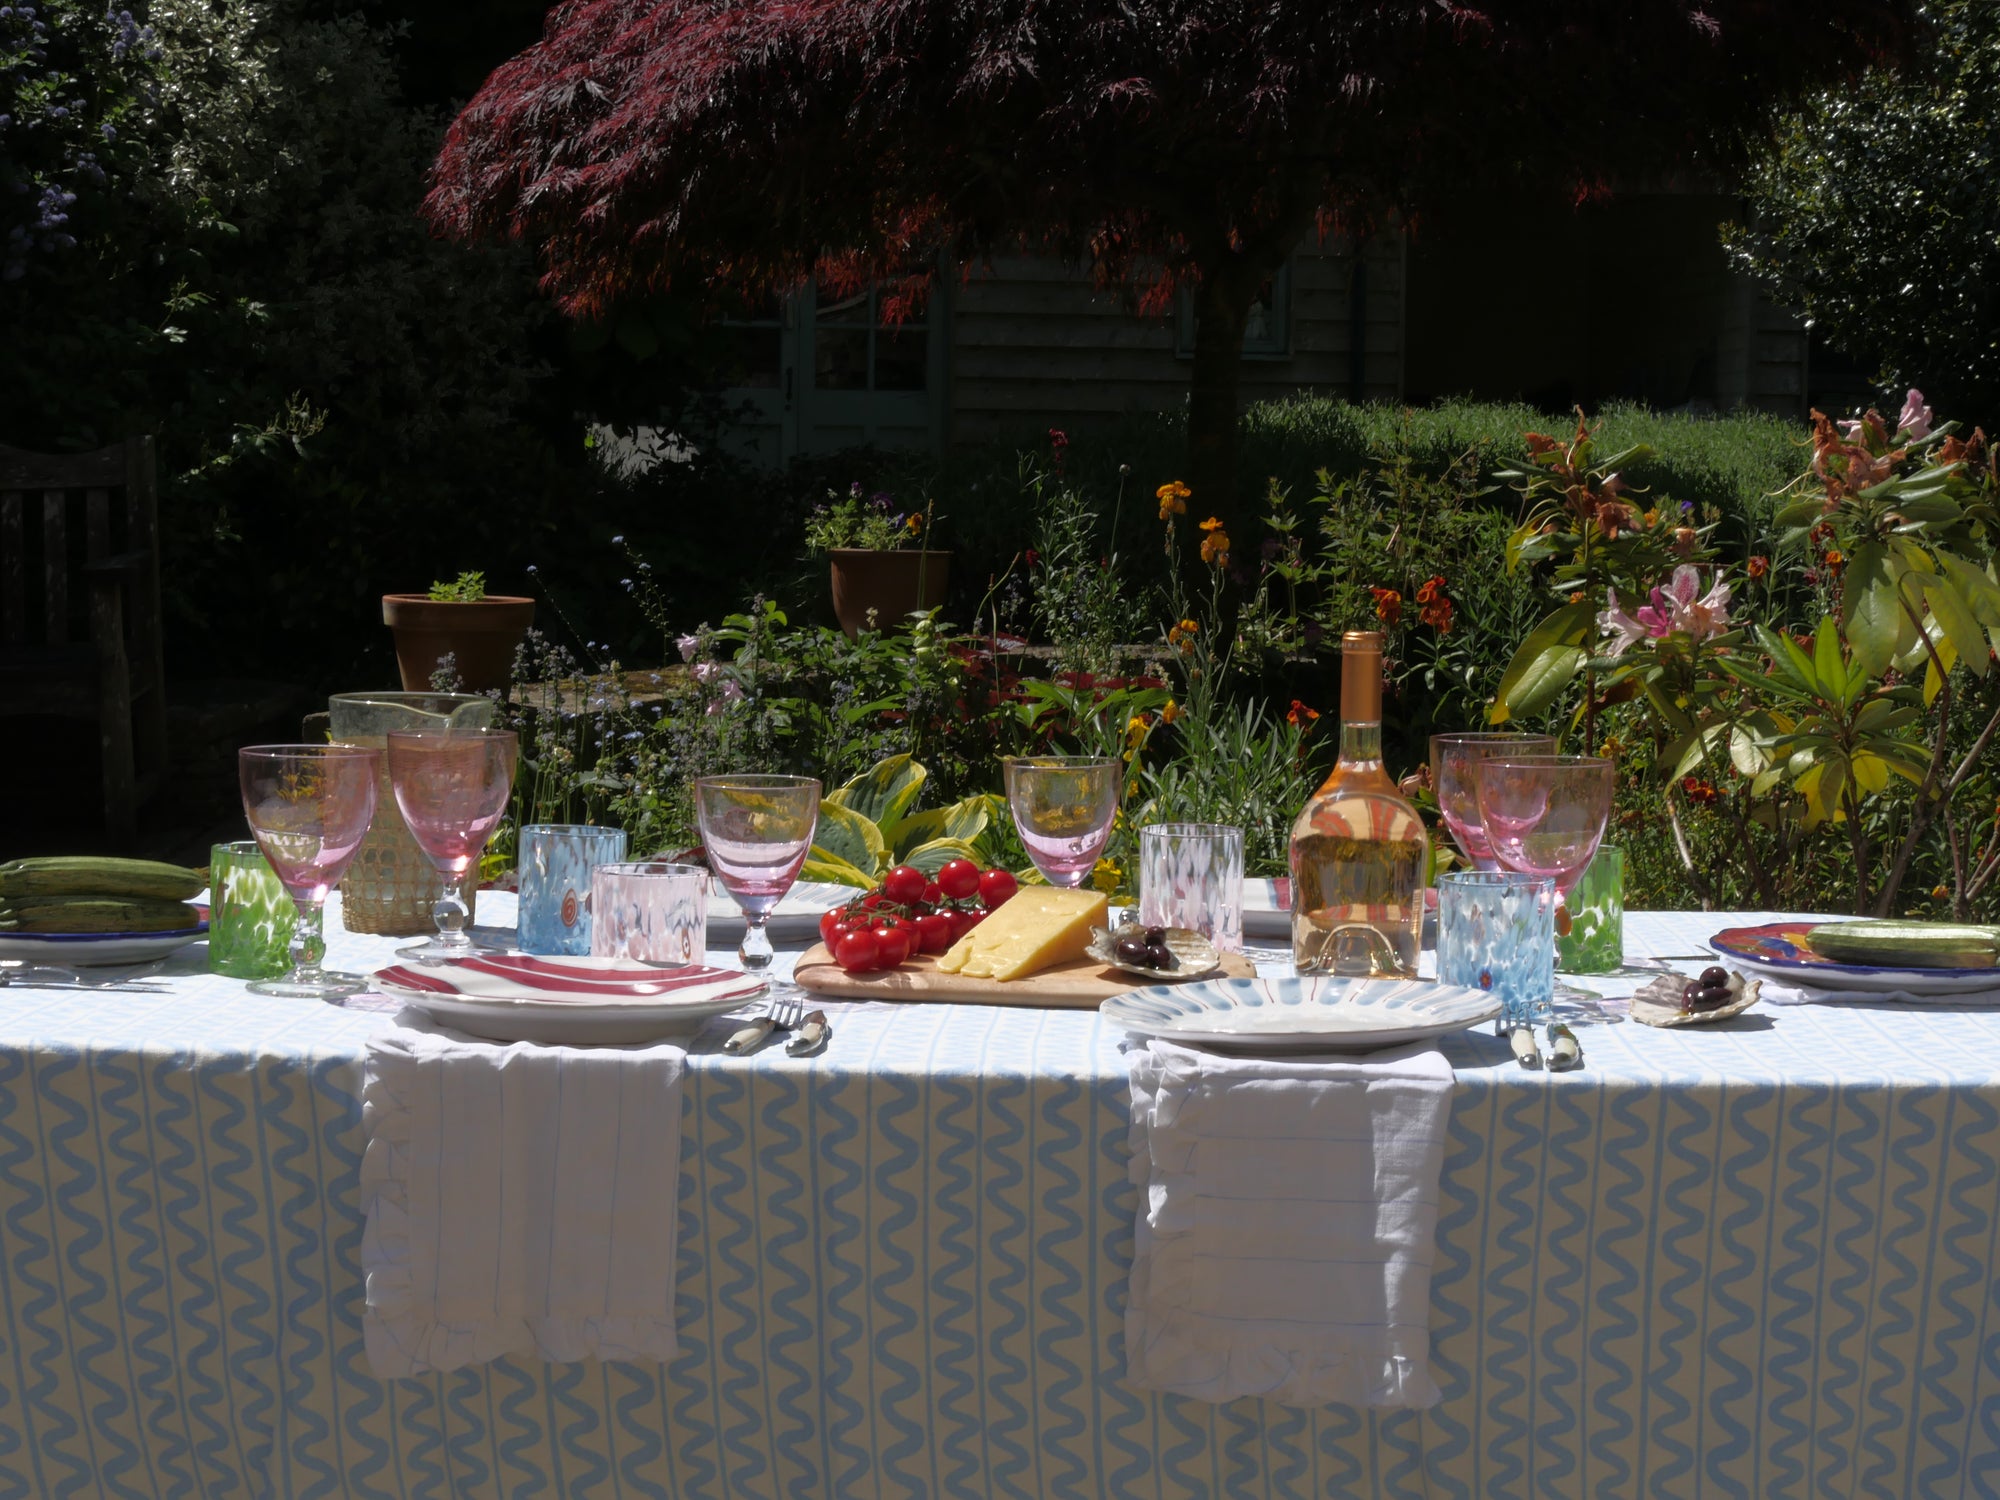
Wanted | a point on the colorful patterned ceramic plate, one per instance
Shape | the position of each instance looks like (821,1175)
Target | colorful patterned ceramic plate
(73,950)
(1777,951)
(516,997)
(1301,1014)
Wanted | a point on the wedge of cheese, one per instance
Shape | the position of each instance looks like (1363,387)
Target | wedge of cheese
(1038,928)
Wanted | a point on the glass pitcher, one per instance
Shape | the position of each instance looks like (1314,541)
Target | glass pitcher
(391,886)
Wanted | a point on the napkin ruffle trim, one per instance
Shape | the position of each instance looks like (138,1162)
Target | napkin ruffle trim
(400,1339)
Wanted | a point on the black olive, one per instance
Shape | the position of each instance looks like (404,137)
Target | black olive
(1160,956)
(1133,950)
(1711,997)
(1712,976)
(1156,935)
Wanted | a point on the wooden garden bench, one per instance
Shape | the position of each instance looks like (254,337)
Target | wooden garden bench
(80,607)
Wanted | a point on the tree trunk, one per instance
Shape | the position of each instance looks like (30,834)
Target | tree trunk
(1221,309)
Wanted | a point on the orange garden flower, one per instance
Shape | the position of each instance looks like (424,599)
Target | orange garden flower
(1700,793)
(1214,546)
(915,524)
(1173,499)
(1170,713)
(1834,560)
(1436,611)
(1388,605)
(1135,731)
(1300,715)
(1181,636)
(1757,567)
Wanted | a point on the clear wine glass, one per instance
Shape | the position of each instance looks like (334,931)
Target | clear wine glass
(1064,806)
(1453,759)
(1545,815)
(452,787)
(309,806)
(757,831)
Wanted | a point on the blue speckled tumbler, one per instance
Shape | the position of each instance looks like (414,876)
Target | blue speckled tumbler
(1496,931)
(556,861)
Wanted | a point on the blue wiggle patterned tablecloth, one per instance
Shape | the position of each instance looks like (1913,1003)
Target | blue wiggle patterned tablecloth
(1756,1260)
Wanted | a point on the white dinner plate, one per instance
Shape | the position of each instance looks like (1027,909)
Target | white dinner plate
(517,997)
(1313,1014)
(1267,909)
(797,916)
(74,950)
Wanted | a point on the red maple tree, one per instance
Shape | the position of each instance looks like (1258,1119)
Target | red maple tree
(749,147)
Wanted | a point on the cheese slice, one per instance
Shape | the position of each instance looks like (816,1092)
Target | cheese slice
(1038,928)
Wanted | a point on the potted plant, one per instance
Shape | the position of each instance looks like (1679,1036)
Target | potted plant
(460,620)
(883,565)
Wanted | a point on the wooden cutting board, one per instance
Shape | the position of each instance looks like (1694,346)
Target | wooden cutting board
(1080,985)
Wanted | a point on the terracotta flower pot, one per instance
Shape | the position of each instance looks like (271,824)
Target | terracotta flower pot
(480,637)
(892,584)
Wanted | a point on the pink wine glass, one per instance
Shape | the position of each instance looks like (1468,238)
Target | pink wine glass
(308,806)
(1453,759)
(452,786)
(1064,806)
(1545,815)
(757,831)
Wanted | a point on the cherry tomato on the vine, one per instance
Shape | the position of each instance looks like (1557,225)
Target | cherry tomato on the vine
(904,886)
(958,879)
(937,931)
(932,894)
(858,951)
(996,887)
(963,920)
(894,944)
(826,925)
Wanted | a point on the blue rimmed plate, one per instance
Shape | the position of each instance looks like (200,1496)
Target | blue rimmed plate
(72,950)
(1312,1014)
(1777,951)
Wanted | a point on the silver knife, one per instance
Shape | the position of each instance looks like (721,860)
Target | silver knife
(751,1036)
(810,1036)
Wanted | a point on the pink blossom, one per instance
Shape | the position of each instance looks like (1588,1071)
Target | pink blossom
(728,691)
(1615,622)
(689,645)
(1915,417)
(1674,610)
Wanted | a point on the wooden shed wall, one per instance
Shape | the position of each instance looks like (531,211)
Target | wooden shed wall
(1032,344)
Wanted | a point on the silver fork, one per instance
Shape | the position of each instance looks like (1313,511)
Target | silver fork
(785,1011)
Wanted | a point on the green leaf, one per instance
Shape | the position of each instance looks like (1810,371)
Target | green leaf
(1870,609)
(883,792)
(1798,513)
(935,855)
(1961,628)
(833,871)
(964,821)
(1981,593)
(1551,655)
(846,836)
(1829,666)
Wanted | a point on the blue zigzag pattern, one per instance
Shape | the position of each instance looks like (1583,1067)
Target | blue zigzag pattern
(905,1274)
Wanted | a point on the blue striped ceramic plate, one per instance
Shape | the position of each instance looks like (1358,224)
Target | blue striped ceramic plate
(1314,1014)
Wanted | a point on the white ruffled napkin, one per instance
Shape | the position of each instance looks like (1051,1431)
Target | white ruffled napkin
(1286,1225)
(520,1200)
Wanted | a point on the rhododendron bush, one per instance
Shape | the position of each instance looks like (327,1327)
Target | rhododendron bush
(1776,731)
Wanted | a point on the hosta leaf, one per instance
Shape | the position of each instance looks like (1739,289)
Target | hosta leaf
(847,836)
(935,855)
(833,871)
(883,792)
(964,821)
